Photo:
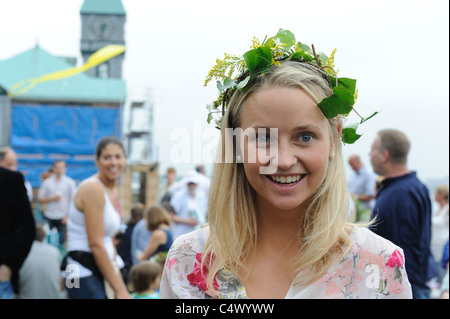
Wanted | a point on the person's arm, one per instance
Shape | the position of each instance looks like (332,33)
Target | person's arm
(192,221)
(159,237)
(44,197)
(93,201)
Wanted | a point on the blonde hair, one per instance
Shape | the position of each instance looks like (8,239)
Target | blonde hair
(231,208)
(443,190)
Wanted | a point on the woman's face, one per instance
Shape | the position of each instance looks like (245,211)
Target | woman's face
(291,164)
(111,162)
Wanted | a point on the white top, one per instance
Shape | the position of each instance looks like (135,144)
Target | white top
(51,187)
(373,268)
(77,238)
(439,232)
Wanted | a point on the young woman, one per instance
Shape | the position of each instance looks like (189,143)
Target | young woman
(158,222)
(277,219)
(93,221)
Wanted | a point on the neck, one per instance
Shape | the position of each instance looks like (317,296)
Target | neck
(106,182)
(396,171)
(442,203)
(277,227)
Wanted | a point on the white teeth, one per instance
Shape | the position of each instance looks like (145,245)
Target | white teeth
(286,180)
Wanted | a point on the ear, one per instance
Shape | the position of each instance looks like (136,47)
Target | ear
(385,155)
(339,129)
(339,132)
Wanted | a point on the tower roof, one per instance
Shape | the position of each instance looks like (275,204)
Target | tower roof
(109,7)
(37,62)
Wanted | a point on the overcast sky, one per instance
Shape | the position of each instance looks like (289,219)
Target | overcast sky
(397,50)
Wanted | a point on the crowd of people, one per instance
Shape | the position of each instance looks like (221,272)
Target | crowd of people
(283,225)
(76,239)
(99,255)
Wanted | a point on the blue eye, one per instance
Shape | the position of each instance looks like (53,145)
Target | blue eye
(263,138)
(306,138)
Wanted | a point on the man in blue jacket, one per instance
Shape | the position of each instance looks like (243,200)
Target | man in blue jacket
(403,208)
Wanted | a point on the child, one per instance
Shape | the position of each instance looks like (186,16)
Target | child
(144,280)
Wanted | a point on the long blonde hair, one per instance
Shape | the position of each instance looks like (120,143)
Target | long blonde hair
(231,205)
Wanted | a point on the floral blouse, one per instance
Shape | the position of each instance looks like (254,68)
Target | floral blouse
(373,268)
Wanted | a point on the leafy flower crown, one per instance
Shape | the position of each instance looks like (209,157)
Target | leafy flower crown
(235,72)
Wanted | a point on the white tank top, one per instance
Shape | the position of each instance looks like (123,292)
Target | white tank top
(77,238)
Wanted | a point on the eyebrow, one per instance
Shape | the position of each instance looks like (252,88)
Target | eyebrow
(297,128)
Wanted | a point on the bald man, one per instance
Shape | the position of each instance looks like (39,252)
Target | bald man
(362,183)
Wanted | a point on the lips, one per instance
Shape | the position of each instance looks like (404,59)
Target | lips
(286,179)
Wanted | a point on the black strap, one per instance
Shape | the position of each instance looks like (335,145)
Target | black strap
(86,259)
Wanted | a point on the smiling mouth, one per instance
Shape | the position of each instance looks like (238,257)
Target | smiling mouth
(286,180)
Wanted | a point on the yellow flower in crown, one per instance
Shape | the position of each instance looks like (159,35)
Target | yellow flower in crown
(235,72)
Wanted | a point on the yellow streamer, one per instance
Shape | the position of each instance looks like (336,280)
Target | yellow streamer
(96,58)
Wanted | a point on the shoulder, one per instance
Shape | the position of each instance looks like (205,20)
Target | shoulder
(373,268)
(365,239)
(190,243)
(11,176)
(183,258)
(90,185)
(69,180)
(381,263)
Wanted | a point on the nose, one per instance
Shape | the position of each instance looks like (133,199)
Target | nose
(285,157)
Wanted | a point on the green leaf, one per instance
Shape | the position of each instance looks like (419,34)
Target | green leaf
(368,118)
(227,83)
(302,56)
(286,37)
(349,84)
(322,58)
(304,47)
(344,94)
(210,117)
(349,135)
(333,105)
(243,83)
(258,60)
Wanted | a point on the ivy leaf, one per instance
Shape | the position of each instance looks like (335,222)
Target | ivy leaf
(333,105)
(344,94)
(258,60)
(349,135)
(349,84)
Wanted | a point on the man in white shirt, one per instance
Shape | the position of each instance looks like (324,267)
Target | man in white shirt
(362,183)
(57,192)
(190,207)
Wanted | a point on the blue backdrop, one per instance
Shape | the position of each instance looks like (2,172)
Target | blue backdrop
(41,134)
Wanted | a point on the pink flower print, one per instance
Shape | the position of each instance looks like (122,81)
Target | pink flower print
(332,288)
(198,278)
(172,262)
(395,259)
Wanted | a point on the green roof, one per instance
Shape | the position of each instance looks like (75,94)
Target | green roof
(113,7)
(37,62)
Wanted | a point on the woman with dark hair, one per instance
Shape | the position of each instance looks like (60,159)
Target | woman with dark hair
(94,219)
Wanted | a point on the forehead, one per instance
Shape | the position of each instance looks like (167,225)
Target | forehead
(281,108)
(111,148)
